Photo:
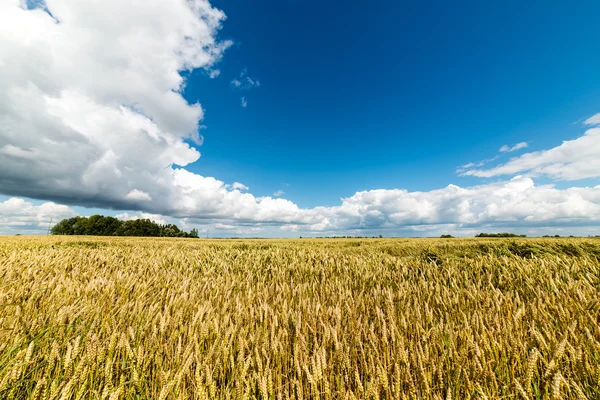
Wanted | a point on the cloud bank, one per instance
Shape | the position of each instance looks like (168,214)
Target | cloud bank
(517,203)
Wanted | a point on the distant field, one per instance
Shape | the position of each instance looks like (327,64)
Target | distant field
(121,318)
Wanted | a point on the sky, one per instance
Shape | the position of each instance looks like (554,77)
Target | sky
(299,118)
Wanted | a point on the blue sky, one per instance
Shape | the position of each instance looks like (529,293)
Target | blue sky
(332,99)
(391,94)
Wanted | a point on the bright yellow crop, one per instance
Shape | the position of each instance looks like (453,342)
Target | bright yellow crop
(121,318)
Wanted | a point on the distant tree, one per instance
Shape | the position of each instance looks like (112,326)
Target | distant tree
(498,235)
(139,227)
(446,236)
(81,226)
(100,225)
(171,230)
(70,226)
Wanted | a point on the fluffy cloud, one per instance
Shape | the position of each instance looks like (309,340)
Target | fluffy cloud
(91,110)
(507,149)
(518,202)
(138,195)
(208,198)
(572,160)
(238,186)
(278,193)
(159,219)
(20,216)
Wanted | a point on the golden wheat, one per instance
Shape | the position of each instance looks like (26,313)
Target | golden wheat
(119,318)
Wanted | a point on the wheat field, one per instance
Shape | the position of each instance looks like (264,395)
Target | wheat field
(121,318)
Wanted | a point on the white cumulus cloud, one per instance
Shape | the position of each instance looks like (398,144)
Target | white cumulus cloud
(159,219)
(572,160)
(239,186)
(20,216)
(517,201)
(138,195)
(91,109)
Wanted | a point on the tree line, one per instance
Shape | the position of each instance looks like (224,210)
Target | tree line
(499,235)
(491,235)
(99,225)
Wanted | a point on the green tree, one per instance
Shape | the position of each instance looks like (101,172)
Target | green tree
(139,227)
(71,226)
(103,226)
(110,226)
(499,235)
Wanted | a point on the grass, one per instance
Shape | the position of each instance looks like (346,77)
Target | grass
(121,318)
